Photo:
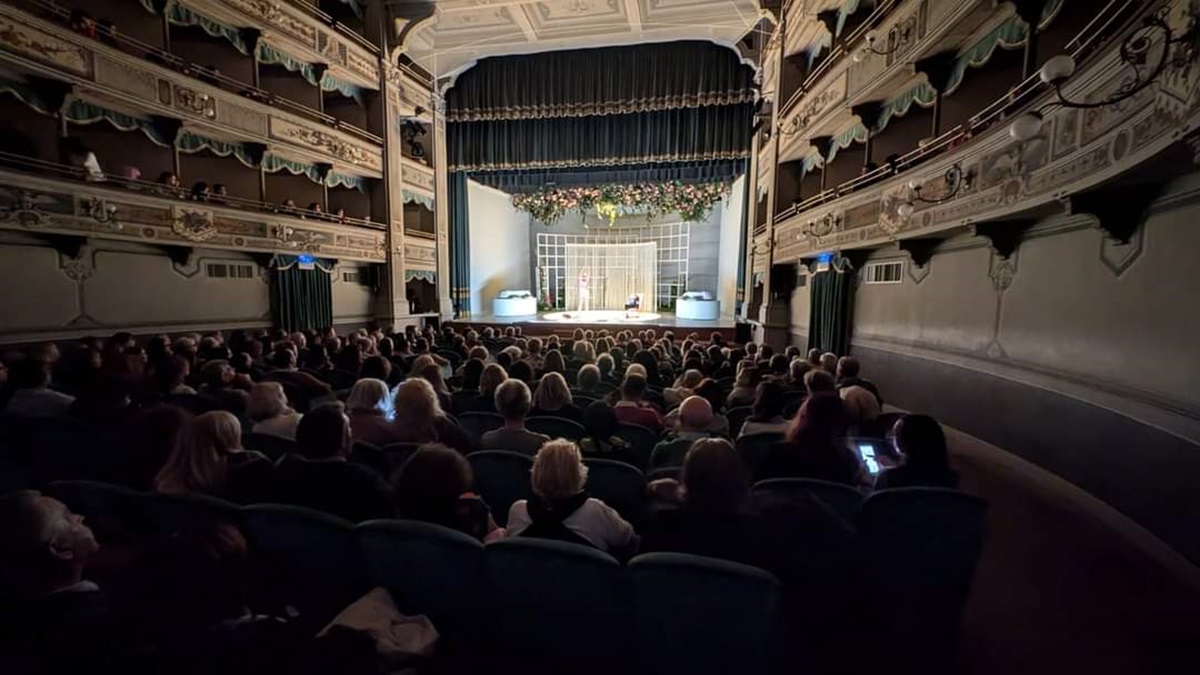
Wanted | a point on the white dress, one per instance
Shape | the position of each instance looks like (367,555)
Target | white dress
(585,297)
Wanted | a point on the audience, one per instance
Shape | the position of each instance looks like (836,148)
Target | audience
(766,414)
(420,418)
(370,409)
(269,413)
(31,394)
(553,399)
(319,477)
(922,446)
(209,459)
(632,409)
(745,386)
(435,486)
(814,446)
(561,508)
(847,376)
(695,418)
(513,402)
(600,423)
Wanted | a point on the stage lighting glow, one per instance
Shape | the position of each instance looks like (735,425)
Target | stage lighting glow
(825,257)
(305,257)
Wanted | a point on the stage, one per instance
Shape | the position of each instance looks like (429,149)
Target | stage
(564,323)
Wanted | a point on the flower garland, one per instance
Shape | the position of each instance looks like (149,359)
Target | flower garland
(692,202)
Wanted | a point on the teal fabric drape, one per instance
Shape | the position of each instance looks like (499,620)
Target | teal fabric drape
(831,309)
(423,275)
(273,163)
(26,94)
(347,89)
(460,250)
(855,134)
(301,299)
(606,81)
(335,179)
(84,112)
(191,142)
(270,55)
(183,16)
(1011,34)
(411,197)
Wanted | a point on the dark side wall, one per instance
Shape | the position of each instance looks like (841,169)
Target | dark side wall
(1078,354)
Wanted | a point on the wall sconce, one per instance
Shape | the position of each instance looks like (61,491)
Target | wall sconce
(956,181)
(763,248)
(1136,50)
(897,39)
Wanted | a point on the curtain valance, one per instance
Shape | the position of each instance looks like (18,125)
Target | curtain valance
(335,179)
(855,134)
(607,81)
(517,182)
(423,275)
(191,142)
(84,112)
(1011,34)
(287,262)
(922,94)
(26,94)
(183,16)
(684,135)
(411,197)
(273,163)
(270,55)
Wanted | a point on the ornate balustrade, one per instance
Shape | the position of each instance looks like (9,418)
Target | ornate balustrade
(46,50)
(58,201)
(1076,151)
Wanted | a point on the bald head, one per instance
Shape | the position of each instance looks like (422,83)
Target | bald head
(695,414)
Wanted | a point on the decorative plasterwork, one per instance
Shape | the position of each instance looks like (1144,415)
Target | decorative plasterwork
(44,206)
(1013,178)
(419,254)
(416,175)
(45,46)
(140,85)
(464,31)
(327,142)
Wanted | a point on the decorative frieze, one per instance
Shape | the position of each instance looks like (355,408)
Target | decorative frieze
(327,142)
(122,76)
(417,176)
(32,203)
(40,45)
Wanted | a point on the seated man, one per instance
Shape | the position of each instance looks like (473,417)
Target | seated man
(632,409)
(320,478)
(695,418)
(54,619)
(633,302)
(513,401)
(32,396)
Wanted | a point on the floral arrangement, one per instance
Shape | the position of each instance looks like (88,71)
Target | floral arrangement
(691,201)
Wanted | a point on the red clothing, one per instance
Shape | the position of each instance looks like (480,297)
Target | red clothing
(643,415)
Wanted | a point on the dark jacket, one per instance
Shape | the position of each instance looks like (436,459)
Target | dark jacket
(346,490)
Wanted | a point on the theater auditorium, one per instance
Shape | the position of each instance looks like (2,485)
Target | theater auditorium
(612,337)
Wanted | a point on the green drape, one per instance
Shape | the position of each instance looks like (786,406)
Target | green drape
(831,309)
(460,250)
(301,299)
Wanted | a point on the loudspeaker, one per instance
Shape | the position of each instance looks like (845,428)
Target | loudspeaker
(742,332)
(783,280)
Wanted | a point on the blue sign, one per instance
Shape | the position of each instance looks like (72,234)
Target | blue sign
(824,257)
(305,258)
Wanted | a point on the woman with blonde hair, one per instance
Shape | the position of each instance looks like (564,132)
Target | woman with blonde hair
(420,418)
(427,368)
(267,408)
(684,387)
(370,409)
(552,398)
(553,362)
(561,508)
(209,458)
(582,353)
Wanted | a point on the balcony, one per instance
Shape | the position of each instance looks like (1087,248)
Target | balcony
(52,199)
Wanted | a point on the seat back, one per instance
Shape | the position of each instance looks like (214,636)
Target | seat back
(843,499)
(369,454)
(305,558)
(670,454)
(462,399)
(753,448)
(641,438)
(555,602)
(479,423)
(273,447)
(396,454)
(619,485)
(693,614)
(582,401)
(115,513)
(452,356)
(501,478)
(173,513)
(429,569)
(556,427)
(922,547)
(737,417)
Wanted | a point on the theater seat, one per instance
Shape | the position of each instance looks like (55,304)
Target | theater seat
(843,499)
(641,438)
(304,558)
(116,514)
(753,448)
(501,478)
(737,417)
(273,447)
(693,614)
(177,513)
(429,570)
(619,485)
(479,423)
(557,605)
(556,427)
(922,546)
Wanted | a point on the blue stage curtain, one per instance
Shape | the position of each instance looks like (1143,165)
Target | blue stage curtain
(460,249)
(301,299)
(606,81)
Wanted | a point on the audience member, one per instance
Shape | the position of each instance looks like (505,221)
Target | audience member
(922,445)
(862,409)
(817,381)
(632,409)
(814,446)
(209,458)
(553,362)
(695,418)
(561,508)
(217,387)
(513,401)
(745,386)
(304,386)
(435,486)
(684,387)
(420,418)
(600,423)
(553,398)
(370,409)
(319,477)
(847,376)
(31,393)
(766,414)
(150,438)
(829,362)
(269,413)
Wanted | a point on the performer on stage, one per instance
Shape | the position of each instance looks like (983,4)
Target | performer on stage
(633,302)
(585,299)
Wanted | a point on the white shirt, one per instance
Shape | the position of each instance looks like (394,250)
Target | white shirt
(595,521)
(282,426)
(39,403)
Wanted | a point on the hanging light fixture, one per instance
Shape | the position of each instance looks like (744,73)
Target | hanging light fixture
(897,37)
(956,181)
(1152,42)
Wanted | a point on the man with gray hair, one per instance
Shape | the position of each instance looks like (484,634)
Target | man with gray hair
(695,419)
(513,401)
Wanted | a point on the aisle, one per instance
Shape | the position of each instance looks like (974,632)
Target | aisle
(1061,591)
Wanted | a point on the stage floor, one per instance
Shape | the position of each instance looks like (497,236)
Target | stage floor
(597,319)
